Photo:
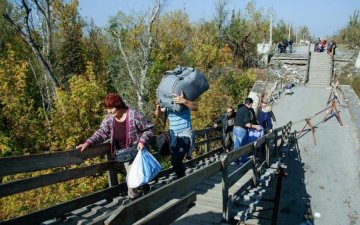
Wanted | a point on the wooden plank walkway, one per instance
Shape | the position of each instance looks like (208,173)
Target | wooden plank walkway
(208,206)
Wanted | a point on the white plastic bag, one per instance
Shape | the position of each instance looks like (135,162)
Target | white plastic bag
(143,169)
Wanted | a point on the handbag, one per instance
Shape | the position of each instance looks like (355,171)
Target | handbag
(162,143)
(125,154)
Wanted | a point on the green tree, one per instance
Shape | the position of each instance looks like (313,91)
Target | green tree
(304,33)
(33,22)
(242,32)
(70,54)
(10,37)
(351,33)
(134,37)
(280,31)
(97,50)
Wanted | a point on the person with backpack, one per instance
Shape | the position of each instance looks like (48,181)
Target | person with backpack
(180,128)
(128,130)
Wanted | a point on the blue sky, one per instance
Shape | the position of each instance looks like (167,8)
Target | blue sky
(322,17)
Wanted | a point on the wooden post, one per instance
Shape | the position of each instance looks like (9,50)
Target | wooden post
(283,131)
(225,188)
(267,153)
(111,174)
(256,174)
(207,142)
(332,110)
(275,143)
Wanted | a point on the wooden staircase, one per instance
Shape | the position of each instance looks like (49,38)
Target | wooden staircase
(320,70)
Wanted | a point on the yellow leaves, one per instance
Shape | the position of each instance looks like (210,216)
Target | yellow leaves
(23,121)
(229,90)
(211,104)
(4,144)
(65,13)
(12,77)
(78,111)
(227,57)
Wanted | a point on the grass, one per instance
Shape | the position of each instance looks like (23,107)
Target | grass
(353,81)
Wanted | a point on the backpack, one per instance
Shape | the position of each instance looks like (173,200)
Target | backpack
(186,79)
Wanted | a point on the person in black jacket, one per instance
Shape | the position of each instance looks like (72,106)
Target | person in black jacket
(244,120)
(227,124)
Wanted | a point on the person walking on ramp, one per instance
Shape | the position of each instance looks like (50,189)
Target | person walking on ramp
(181,134)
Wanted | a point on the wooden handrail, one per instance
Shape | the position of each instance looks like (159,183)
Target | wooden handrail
(52,178)
(131,213)
(37,217)
(228,180)
(36,162)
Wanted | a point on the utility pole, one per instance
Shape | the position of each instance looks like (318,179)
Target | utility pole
(270,41)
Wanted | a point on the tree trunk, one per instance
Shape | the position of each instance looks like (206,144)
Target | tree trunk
(140,62)
(25,33)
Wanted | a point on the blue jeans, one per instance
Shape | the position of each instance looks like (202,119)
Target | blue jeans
(240,139)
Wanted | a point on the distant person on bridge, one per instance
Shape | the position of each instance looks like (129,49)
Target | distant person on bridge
(281,48)
(125,127)
(181,134)
(227,125)
(242,124)
(285,44)
(323,44)
(328,48)
(290,43)
(318,45)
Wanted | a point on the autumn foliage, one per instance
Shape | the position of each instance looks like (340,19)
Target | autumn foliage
(37,116)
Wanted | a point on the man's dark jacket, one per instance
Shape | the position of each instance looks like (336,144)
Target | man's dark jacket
(224,124)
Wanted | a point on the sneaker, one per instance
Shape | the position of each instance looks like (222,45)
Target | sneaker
(133,198)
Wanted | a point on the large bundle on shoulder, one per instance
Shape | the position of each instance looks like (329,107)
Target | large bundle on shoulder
(186,79)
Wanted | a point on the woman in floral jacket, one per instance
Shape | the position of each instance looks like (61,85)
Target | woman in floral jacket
(125,127)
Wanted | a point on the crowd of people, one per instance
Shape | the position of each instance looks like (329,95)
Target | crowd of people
(285,46)
(322,45)
(245,126)
(128,129)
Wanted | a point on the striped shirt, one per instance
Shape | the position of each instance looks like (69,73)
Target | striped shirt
(179,121)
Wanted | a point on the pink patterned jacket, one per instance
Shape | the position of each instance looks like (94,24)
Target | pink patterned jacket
(138,129)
